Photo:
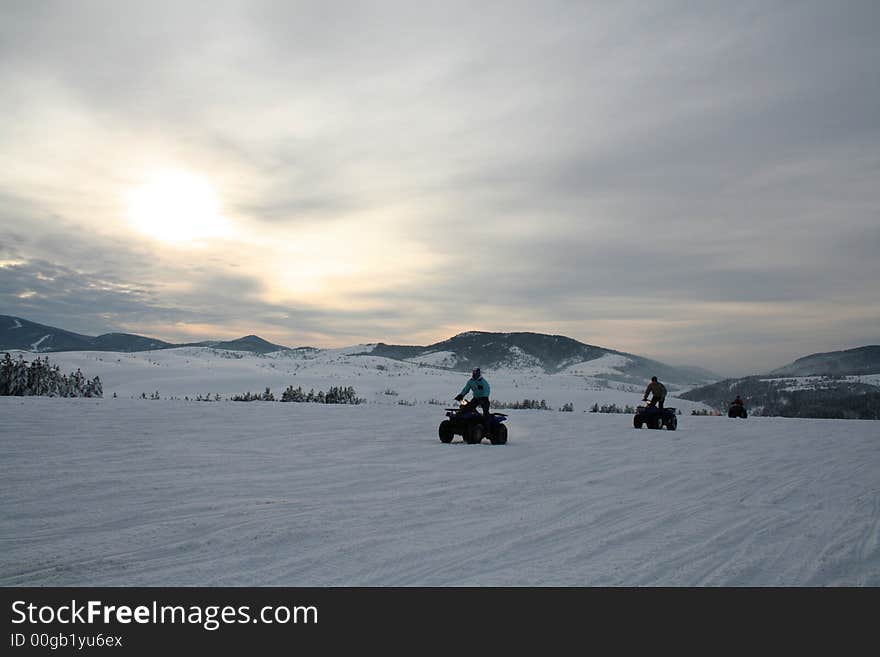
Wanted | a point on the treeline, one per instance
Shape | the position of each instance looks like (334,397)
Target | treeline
(335,395)
(533,404)
(612,408)
(815,404)
(22,379)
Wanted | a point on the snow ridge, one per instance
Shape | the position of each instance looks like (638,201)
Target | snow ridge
(36,345)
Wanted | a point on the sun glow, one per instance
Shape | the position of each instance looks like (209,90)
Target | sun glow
(177,207)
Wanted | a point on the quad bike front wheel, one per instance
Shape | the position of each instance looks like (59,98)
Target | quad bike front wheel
(499,437)
(447,433)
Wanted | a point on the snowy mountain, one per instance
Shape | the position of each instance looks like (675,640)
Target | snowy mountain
(200,371)
(839,384)
(861,360)
(535,352)
(24,335)
(252,343)
(550,354)
(18,333)
(125,342)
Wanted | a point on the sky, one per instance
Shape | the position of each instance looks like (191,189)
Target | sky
(696,182)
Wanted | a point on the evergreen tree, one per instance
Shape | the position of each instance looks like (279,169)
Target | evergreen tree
(7,374)
(293,395)
(42,378)
(20,380)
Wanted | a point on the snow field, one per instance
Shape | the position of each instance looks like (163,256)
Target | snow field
(125,492)
(193,371)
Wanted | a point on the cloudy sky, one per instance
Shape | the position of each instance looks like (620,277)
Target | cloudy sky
(697,182)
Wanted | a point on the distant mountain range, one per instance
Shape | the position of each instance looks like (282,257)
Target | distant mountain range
(22,334)
(861,360)
(548,353)
(833,384)
(839,384)
(519,351)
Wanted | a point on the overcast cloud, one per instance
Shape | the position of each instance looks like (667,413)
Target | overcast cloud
(696,182)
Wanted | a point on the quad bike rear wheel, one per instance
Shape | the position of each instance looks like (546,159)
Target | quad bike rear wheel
(499,437)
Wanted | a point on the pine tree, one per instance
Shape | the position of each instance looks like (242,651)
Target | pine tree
(20,381)
(7,374)
(293,395)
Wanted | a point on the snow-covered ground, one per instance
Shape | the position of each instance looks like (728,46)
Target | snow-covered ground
(139,492)
(193,371)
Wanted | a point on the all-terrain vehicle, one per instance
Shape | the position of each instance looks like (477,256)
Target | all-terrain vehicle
(469,425)
(737,410)
(655,418)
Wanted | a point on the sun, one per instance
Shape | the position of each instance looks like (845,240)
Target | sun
(177,207)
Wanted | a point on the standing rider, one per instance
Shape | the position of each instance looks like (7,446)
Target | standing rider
(480,387)
(658,392)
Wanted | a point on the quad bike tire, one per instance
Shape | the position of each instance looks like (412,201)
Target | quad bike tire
(638,422)
(499,437)
(672,423)
(446,431)
(657,422)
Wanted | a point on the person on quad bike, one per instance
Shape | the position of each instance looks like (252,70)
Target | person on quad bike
(657,391)
(737,402)
(480,387)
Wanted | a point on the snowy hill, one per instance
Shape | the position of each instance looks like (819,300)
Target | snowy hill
(523,353)
(18,333)
(536,351)
(207,371)
(121,492)
(861,360)
(839,384)
(252,343)
(845,397)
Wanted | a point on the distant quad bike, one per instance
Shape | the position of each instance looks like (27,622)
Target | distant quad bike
(469,425)
(737,410)
(655,418)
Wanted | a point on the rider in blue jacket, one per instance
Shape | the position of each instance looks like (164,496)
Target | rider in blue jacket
(480,387)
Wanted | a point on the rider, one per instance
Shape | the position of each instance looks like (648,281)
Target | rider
(657,391)
(480,387)
(737,402)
